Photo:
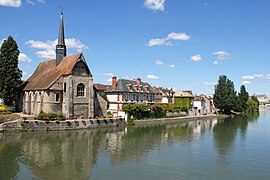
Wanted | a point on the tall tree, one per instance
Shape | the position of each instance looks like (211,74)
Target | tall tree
(243,98)
(225,95)
(10,74)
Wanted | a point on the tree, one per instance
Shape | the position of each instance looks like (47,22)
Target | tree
(225,95)
(10,74)
(243,98)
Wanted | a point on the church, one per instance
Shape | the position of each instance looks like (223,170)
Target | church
(62,85)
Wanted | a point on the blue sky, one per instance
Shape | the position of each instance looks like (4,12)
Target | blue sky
(184,44)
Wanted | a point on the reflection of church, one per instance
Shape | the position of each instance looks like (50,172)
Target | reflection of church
(62,85)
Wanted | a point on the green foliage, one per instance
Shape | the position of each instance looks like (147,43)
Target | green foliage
(10,74)
(143,111)
(243,98)
(182,103)
(3,108)
(225,95)
(50,116)
(131,122)
(252,106)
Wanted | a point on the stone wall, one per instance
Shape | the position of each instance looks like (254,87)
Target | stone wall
(38,125)
(100,105)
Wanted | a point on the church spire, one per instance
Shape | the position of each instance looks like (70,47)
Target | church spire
(61,47)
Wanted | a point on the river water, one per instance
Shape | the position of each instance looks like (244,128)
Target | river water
(231,148)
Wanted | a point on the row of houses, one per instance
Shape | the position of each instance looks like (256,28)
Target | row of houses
(124,91)
(65,85)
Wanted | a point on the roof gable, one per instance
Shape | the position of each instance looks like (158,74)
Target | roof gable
(47,72)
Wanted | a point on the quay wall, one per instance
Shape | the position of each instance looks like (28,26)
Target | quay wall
(40,125)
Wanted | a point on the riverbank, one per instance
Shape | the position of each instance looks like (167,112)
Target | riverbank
(20,125)
(176,119)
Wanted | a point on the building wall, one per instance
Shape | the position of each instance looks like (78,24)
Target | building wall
(67,101)
(100,105)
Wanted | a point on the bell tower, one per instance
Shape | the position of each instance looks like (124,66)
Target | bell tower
(61,47)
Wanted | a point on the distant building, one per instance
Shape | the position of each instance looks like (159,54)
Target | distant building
(184,99)
(263,99)
(203,104)
(123,91)
(163,95)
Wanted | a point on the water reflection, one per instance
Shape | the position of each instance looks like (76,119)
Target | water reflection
(226,130)
(74,154)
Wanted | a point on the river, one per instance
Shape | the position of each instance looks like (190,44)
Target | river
(231,148)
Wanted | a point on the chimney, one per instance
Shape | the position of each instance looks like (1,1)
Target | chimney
(113,83)
(138,81)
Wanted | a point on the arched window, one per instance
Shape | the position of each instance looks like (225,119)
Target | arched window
(80,89)
(57,97)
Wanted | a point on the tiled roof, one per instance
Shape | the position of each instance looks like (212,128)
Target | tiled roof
(47,73)
(102,87)
(123,84)
(184,94)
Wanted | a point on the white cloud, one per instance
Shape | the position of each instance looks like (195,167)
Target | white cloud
(158,62)
(247,77)
(108,74)
(246,82)
(33,1)
(24,73)
(156,5)
(157,42)
(209,83)
(46,54)
(171,65)
(11,3)
(196,58)
(167,41)
(24,58)
(221,55)
(49,47)
(109,80)
(258,75)
(151,76)
(215,62)
(76,44)
(178,36)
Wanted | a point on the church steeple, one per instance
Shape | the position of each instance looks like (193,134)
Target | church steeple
(61,47)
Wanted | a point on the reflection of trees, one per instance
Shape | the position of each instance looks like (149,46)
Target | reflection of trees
(9,151)
(142,139)
(53,155)
(226,129)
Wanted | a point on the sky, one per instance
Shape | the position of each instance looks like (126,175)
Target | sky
(183,44)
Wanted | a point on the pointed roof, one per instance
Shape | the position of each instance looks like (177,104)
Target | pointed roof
(61,34)
(47,72)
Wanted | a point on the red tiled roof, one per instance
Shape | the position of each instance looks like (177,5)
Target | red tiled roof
(102,87)
(47,73)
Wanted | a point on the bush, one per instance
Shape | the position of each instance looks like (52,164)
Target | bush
(3,108)
(50,116)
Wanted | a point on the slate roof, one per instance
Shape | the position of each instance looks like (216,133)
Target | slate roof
(123,84)
(47,72)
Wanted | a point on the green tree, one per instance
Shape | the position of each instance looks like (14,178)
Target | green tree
(10,74)
(225,95)
(243,98)
(252,106)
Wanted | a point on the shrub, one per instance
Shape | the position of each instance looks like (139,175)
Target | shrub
(3,108)
(50,116)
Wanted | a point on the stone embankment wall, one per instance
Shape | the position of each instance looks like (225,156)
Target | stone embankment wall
(39,125)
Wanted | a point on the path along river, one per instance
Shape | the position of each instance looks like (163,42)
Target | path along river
(231,148)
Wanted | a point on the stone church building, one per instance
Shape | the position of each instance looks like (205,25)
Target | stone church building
(62,85)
